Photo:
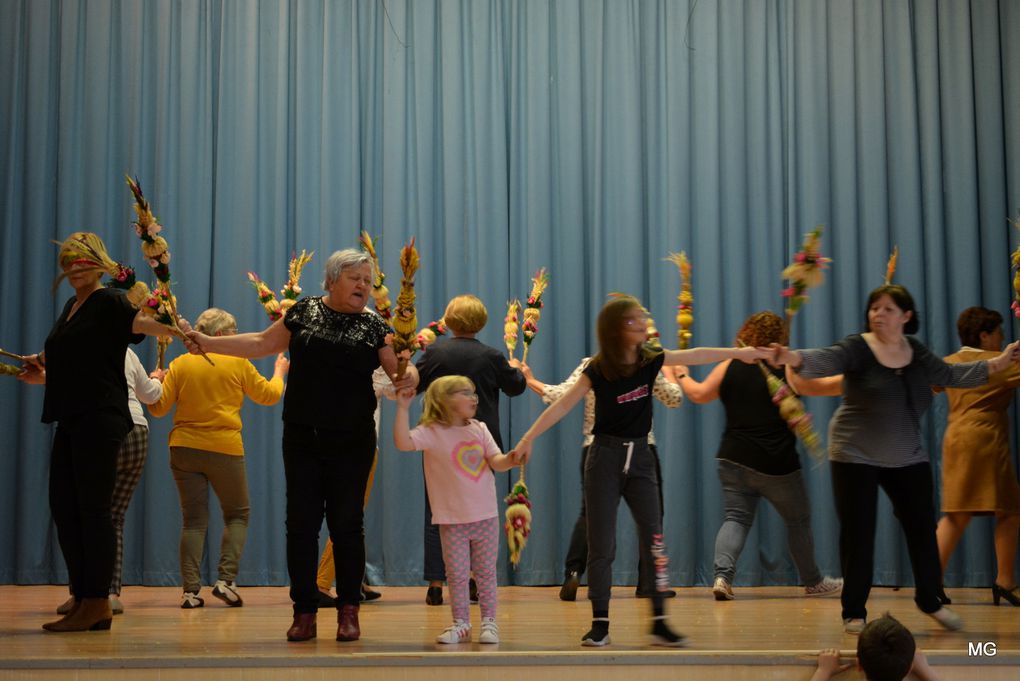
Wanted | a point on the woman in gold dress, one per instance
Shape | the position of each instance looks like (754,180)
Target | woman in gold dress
(978,477)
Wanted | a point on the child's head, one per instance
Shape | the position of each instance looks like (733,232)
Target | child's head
(449,400)
(465,315)
(885,649)
(622,323)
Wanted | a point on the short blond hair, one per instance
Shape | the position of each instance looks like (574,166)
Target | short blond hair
(437,407)
(214,321)
(465,314)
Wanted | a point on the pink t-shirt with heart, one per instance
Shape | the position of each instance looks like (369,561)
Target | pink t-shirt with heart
(460,483)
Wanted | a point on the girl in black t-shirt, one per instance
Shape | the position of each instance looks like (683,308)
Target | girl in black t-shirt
(619,462)
(82,367)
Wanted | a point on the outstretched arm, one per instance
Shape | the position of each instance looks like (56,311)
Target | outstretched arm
(270,341)
(553,413)
(709,355)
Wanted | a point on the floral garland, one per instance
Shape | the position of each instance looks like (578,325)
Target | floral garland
(266,297)
(1015,259)
(291,291)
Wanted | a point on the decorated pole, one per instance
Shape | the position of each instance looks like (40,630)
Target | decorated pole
(291,291)
(428,335)
(163,304)
(1015,260)
(805,272)
(380,294)
(533,309)
(685,301)
(405,318)
(890,266)
(511,326)
(518,519)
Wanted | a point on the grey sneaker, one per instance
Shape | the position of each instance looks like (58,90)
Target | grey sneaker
(827,587)
(853,625)
(116,606)
(228,593)
(947,618)
(721,589)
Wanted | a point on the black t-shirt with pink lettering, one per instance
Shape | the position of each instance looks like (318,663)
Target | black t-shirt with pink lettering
(623,408)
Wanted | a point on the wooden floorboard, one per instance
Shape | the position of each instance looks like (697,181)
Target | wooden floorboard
(766,633)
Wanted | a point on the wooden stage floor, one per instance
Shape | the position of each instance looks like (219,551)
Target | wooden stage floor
(767,633)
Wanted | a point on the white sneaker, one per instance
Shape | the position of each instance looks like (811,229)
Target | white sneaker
(827,587)
(490,631)
(190,600)
(947,618)
(228,593)
(458,632)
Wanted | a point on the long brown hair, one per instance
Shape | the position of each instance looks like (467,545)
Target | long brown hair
(609,330)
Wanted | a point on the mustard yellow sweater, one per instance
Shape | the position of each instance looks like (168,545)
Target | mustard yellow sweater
(209,398)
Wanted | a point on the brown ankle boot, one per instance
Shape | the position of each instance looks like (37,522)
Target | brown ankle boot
(347,619)
(303,628)
(91,614)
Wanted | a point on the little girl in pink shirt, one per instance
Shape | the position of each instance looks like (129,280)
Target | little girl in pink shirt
(460,456)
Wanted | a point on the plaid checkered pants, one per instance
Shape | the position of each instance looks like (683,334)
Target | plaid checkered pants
(130,462)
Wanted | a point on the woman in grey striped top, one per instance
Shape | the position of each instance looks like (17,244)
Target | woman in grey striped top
(875,441)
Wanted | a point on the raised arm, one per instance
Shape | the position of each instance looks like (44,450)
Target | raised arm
(402,421)
(146,324)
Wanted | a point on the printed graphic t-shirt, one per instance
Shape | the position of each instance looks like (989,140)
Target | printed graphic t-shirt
(460,483)
(623,408)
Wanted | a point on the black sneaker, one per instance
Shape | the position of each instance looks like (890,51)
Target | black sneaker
(663,636)
(598,635)
(434,596)
(568,592)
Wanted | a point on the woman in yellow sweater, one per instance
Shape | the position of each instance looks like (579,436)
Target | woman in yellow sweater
(206,449)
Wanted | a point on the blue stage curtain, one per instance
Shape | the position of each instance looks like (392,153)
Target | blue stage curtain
(592,137)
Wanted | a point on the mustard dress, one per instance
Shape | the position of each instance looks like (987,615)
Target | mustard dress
(977,469)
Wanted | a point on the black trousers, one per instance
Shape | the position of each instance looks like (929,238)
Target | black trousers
(83,469)
(327,473)
(618,468)
(577,553)
(911,491)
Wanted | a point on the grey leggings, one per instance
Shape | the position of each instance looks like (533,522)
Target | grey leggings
(194,470)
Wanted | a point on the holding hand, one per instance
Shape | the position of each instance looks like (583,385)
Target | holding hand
(410,379)
(749,355)
(522,452)
(783,355)
(33,371)
(1011,355)
(158,374)
(282,365)
(829,665)
(404,397)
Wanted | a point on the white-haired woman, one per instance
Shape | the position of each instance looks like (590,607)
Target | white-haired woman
(206,449)
(329,431)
